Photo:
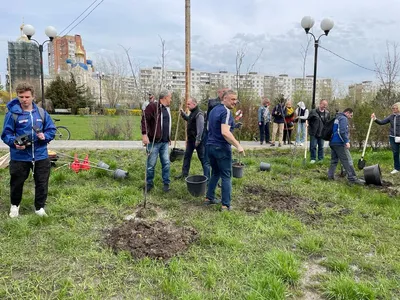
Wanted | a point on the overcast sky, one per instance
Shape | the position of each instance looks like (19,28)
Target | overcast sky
(219,29)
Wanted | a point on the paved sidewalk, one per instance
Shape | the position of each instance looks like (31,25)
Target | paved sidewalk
(121,145)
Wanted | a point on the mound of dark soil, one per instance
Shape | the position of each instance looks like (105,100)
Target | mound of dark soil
(157,239)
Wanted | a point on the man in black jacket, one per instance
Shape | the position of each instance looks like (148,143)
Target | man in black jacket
(194,133)
(316,120)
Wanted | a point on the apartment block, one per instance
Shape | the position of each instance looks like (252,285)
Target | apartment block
(64,48)
(270,86)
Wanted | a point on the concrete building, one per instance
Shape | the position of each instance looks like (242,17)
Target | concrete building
(61,49)
(363,91)
(23,63)
(201,82)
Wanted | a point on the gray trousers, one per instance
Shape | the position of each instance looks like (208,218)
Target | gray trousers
(342,154)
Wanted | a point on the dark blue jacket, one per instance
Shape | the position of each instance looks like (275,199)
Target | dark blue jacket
(340,130)
(23,125)
(279,113)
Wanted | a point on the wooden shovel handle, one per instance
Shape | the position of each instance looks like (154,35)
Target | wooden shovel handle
(366,139)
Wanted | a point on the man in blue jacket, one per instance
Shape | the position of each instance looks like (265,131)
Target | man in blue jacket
(25,119)
(340,145)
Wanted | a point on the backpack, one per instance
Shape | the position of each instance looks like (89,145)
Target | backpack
(327,130)
(41,113)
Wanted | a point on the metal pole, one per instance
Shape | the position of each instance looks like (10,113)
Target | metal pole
(9,77)
(42,75)
(187,50)
(101,105)
(315,73)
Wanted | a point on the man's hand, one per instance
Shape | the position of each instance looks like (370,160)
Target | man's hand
(347,145)
(240,149)
(197,143)
(259,123)
(20,147)
(373,117)
(40,136)
(238,125)
(145,139)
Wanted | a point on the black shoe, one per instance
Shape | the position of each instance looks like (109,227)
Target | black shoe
(166,188)
(272,144)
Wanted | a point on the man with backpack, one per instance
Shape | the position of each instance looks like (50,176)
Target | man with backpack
(340,145)
(316,121)
(27,130)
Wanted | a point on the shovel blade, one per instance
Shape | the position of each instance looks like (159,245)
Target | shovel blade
(361,164)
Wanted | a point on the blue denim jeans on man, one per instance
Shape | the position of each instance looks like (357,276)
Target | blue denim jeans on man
(155,150)
(396,152)
(314,142)
(221,167)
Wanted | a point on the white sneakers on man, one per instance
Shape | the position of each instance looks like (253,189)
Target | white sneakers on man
(41,212)
(14,211)
(394,171)
(312,161)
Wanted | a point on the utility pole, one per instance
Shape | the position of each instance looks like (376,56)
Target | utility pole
(187,50)
(9,77)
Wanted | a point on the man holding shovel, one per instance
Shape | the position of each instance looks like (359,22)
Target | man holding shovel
(220,139)
(340,145)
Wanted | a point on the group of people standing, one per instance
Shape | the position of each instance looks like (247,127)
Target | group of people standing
(283,118)
(209,134)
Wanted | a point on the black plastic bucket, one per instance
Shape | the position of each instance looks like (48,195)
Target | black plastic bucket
(265,166)
(372,175)
(196,185)
(176,154)
(237,170)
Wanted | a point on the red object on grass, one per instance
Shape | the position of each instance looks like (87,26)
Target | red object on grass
(85,164)
(76,165)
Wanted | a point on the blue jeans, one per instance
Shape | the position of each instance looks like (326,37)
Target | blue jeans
(301,132)
(206,165)
(156,149)
(396,152)
(264,132)
(314,142)
(221,167)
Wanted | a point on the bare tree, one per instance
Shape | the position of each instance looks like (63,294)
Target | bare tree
(162,62)
(115,82)
(240,54)
(388,71)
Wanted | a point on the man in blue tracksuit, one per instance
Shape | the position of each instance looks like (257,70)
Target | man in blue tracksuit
(340,145)
(25,118)
(220,139)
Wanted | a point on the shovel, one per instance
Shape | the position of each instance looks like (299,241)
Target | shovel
(361,161)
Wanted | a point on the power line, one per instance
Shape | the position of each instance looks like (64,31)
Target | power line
(78,17)
(85,17)
(348,60)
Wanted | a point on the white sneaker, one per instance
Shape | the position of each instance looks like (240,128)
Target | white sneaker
(312,161)
(301,144)
(394,171)
(14,211)
(41,212)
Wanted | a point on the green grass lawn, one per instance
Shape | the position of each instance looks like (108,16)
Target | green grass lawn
(81,127)
(292,234)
